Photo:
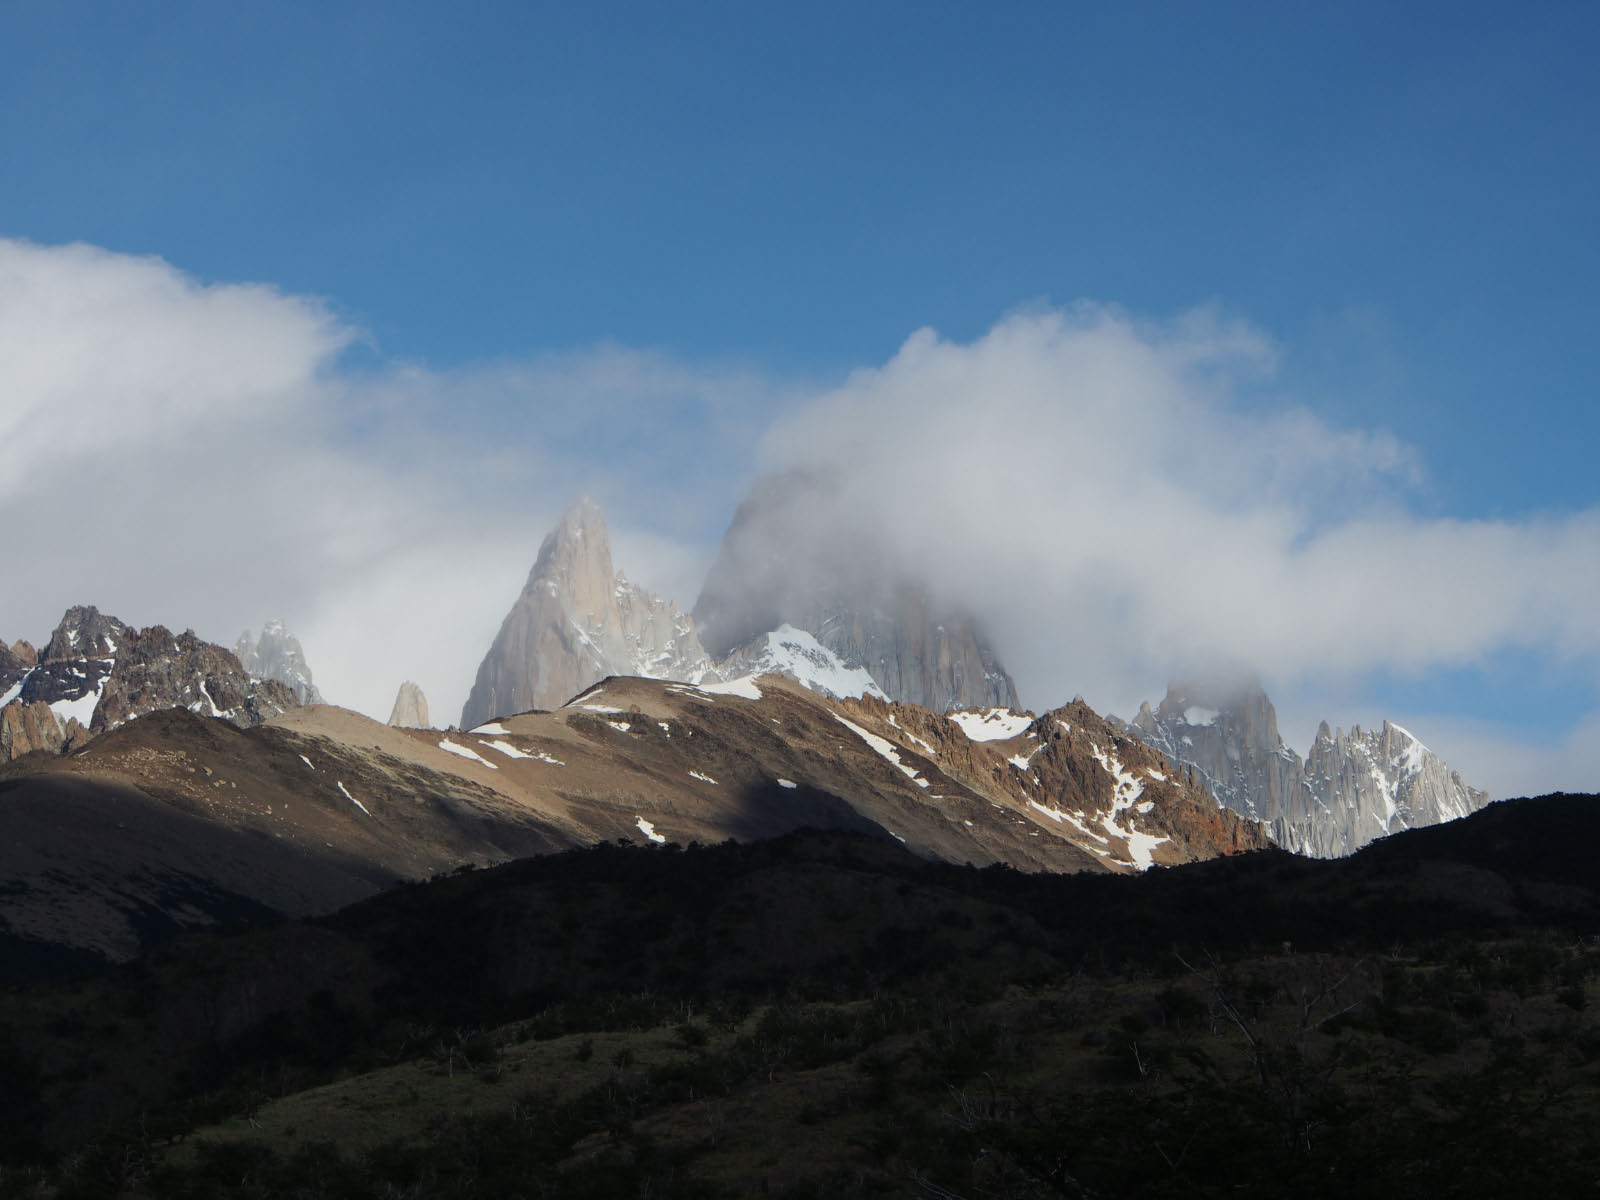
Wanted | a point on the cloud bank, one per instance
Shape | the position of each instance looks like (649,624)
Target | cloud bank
(1121,501)
(1122,505)
(209,456)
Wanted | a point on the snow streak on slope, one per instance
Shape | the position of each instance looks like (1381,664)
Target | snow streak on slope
(509,750)
(883,747)
(351,798)
(465,752)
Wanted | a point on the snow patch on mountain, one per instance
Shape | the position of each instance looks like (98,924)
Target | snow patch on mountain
(1128,790)
(509,750)
(744,687)
(15,689)
(991,725)
(82,708)
(797,654)
(461,751)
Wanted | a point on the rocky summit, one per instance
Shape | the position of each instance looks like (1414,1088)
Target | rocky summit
(1352,789)
(96,673)
(578,620)
(277,654)
(779,564)
(410,709)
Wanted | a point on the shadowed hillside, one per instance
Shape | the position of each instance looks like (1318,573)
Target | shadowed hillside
(826,1013)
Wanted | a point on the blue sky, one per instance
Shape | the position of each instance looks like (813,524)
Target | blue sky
(522,219)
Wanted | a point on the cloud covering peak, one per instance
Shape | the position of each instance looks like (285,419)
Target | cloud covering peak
(1126,500)
(1118,500)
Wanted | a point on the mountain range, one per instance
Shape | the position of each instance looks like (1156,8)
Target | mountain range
(321,806)
(1351,789)
(96,673)
(782,894)
(857,701)
(839,614)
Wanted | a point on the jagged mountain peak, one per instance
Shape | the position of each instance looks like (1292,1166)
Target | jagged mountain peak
(277,654)
(579,618)
(84,632)
(791,557)
(1353,787)
(577,621)
(97,673)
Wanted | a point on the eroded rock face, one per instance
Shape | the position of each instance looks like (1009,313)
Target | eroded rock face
(156,670)
(410,708)
(277,654)
(25,728)
(1230,737)
(577,621)
(15,662)
(1350,790)
(779,564)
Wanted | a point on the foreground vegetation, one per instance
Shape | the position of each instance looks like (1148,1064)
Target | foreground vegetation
(694,1032)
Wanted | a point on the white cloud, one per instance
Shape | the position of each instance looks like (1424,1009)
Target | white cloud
(1116,500)
(1120,501)
(200,456)
(105,352)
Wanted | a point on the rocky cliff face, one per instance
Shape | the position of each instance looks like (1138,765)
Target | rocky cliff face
(1231,740)
(276,654)
(25,728)
(97,673)
(410,708)
(15,662)
(577,621)
(836,581)
(1352,789)
(1372,784)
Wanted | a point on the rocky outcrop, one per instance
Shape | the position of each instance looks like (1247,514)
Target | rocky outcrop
(97,673)
(25,728)
(277,654)
(577,621)
(157,670)
(1076,773)
(779,564)
(1351,790)
(73,668)
(1230,737)
(410,708)
(15,662)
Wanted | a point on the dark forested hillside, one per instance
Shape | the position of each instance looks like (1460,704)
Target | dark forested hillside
(827,1014)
